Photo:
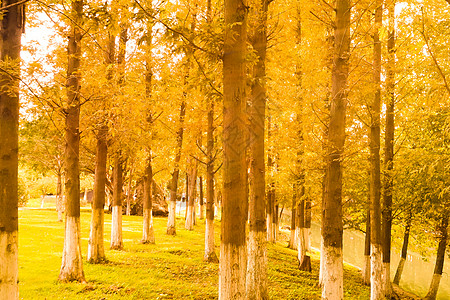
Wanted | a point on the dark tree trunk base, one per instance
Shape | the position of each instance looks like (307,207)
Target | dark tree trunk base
(211,258)
(306,264)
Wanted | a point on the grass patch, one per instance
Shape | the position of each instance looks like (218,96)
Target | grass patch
(173,268)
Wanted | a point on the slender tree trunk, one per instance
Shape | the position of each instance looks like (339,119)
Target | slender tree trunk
(201,202)
(293,238)
(116,222)
(148,235)
(128,211)
(13,22)
(301,230)
(187,196)
(270,205)
(233,250)
(96,249)
(366,267)
(332,227)
(389,152)
(276,221)
(59,199)
(72,263)
(270,212)
(257,252)
(171,230)
(376,281)
(192,175)
(210,254)
(325,150)
(440,258)
(306,266)
(401,264)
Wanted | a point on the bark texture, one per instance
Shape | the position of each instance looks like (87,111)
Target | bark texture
(96,248)
(210,254)
(257,252)
(171,226)
(10,44)
(72,264)
(233,250)
(376,279)
(332,227)
(389,151)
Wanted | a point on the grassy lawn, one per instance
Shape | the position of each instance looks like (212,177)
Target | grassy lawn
(171,269)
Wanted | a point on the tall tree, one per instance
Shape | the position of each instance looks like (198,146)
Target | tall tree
(389,150)
(376,286)
(96,248)
(257,252)
(116,222)
(233,251)
(148,235)
(72,264)
(13,22)
(332,227)
(171,229)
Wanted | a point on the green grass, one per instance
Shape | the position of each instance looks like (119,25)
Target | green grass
(171,269)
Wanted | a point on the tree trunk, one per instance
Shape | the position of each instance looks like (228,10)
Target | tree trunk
(186,193)
(192,175)
(270,212)
(210,254)
(96,249)
(116,222)
(306,266)
(72,263)
(332,227)
(366,267)
(128,211)
(171,230)
(148,236)
(293,238)
(59,199)
(13,22)
(301,229)
(376,280)
(440,258)
(233,250)
(327,108)
(257,253)
(401,264)
(201,203)
(389,152)
(276,221)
